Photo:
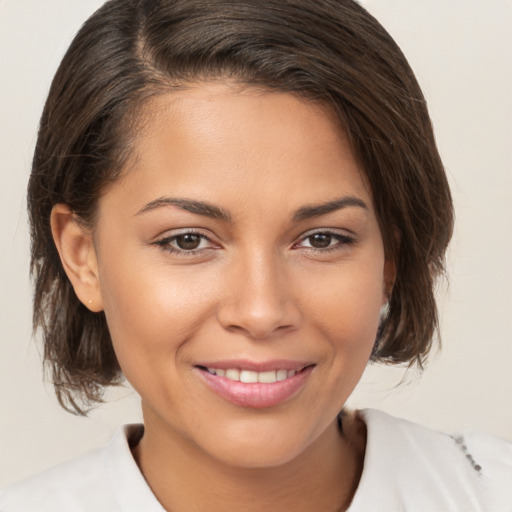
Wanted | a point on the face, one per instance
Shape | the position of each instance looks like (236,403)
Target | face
(241,271)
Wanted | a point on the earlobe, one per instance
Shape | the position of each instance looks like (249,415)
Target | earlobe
(78,256)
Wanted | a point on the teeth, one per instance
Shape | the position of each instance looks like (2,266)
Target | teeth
(268,377)
(281,374)
(248,377)
(232,374)
(251,377)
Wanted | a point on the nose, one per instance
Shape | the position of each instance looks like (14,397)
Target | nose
(259,301)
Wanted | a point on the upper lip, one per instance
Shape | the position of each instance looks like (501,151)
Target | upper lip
(255,366)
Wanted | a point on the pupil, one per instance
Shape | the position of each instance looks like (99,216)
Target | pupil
(188,241)
(321,240)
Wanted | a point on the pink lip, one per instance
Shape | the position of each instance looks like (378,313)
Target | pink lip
(255,395)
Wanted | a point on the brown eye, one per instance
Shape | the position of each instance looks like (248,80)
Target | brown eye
(188,241)
(320,240)
(325,241)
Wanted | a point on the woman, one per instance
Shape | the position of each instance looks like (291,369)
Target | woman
(235,205)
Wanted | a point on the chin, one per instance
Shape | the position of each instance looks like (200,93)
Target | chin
(258,445)
(248,455)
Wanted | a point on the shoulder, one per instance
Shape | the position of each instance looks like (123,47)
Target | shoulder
(104,479)
(493,456)
(412,467)
(62,487)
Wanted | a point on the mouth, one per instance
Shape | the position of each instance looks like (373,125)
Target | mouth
(251,377)
(246,385)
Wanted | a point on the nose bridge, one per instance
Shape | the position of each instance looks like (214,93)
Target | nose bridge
(260,300)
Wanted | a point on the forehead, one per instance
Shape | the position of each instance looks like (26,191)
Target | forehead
(217,139)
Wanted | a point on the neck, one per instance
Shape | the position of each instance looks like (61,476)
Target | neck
(185,479)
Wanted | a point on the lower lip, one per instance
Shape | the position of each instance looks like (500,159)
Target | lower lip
(256,395)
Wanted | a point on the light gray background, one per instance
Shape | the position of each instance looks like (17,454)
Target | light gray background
(461,52)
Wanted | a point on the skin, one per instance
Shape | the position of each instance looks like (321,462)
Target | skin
(255,288)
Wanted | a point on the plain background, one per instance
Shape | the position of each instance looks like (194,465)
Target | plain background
(461,53)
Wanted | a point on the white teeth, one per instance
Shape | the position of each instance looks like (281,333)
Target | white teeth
(251,377)
(267,377)
(232,374)
(248,376)
(281,374)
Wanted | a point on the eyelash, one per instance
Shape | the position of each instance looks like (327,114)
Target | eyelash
(343,242)
(165,243)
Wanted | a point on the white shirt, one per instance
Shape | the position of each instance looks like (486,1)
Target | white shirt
(407,467)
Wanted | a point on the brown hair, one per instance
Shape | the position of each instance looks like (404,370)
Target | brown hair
(324,50)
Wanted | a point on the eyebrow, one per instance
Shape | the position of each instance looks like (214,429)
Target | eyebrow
(209,210)
(189,205)
(316,210)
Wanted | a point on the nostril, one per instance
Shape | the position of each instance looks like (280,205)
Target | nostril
(259,332)
(258,315)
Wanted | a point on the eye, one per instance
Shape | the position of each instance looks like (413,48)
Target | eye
(325,240)
(320,240)
(189,242)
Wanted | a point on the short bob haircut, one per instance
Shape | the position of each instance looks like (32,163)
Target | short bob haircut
(327,51)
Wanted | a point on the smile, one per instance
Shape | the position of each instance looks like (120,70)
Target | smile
(255,389)
(249,376)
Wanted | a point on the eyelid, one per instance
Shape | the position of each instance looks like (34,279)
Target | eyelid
(165,240)
(345,238)
(330,231)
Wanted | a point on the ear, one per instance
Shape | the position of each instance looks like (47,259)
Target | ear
(78,256)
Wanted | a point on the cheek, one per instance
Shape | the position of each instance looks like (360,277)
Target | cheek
(150,312)
(346,304)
